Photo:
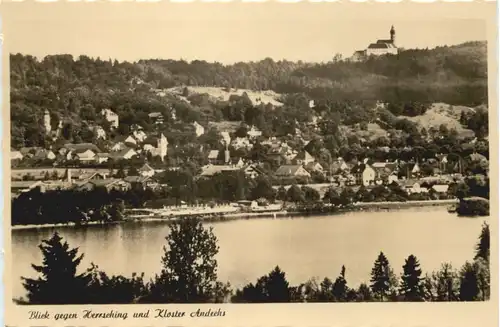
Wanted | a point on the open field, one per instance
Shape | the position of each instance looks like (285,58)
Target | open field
(441,113)
(223,94)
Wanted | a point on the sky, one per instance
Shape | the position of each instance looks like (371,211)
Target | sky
(226,34)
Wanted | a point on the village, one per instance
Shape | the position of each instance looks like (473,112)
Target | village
(276,163)
(62,170)
(248,138)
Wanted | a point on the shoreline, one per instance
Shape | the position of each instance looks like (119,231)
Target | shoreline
(361,206)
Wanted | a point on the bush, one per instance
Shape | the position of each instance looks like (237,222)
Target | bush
(474,206)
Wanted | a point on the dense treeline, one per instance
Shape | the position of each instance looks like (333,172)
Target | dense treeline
(67,206)
(189,275)
(99,205)
(75,90)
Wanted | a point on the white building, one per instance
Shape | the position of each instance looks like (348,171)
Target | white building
(198,129)
(368,175)
(139,135)
(225,137)
(162,147)
(111,117)
(381,47)
(146,171)
(241,142)
(86,156)
(157,146)
(254,132)
(46,122)
(99,132)
(16,155)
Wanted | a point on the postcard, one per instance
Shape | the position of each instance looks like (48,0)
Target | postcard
(207,164)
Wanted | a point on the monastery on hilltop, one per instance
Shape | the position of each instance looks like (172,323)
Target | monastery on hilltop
(381,47)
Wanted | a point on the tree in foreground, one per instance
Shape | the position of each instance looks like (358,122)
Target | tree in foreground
(339,288)
(411,288)
(189,273)
(483,246)
(383,280)
(272,288)
(364,293)
(59,282)
(469,282)
(104,289)
(443,285)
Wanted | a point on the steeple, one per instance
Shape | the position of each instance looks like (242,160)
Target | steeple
(46,121)
(393,34)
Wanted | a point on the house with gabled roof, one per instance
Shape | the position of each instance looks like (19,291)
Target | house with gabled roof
(156,117)
(139,135)
(253,171)
(412,186)
(17,187)
(99,132)
(211,170)
(111,117)
(146,170)
(303,158)
(16,155)
(44,154)
(29,152)
(292,171)
(198,129)
(314,167)
(386,172)
(124,154)
(213,156)
(241,142)
(101,157)
(79,147)
(145,182)
(254,132)
(85,155)
(441,188)
(109,184)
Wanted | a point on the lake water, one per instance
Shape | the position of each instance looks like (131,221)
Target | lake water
(302,247)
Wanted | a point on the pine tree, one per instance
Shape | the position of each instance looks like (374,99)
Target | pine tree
(272,288)
(277,287)
(469,283)
(383,281)
(483,246)
(339,288)
(411,283)
(59,283)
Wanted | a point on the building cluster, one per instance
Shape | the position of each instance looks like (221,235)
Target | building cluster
(120,148)
(293,163)
(378,48)
(85,180)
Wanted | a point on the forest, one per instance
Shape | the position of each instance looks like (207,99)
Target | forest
(75,90)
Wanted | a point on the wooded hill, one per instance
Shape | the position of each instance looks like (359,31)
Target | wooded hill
(76,89)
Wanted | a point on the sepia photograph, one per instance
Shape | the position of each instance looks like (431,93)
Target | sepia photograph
(248,159)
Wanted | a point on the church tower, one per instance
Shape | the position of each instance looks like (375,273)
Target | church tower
(393,35)
(46,122)
(227,156)
(162,146)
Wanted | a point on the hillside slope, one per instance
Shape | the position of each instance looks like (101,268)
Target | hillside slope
(74,91)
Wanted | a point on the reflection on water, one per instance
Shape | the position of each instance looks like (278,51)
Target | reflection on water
(302,247)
